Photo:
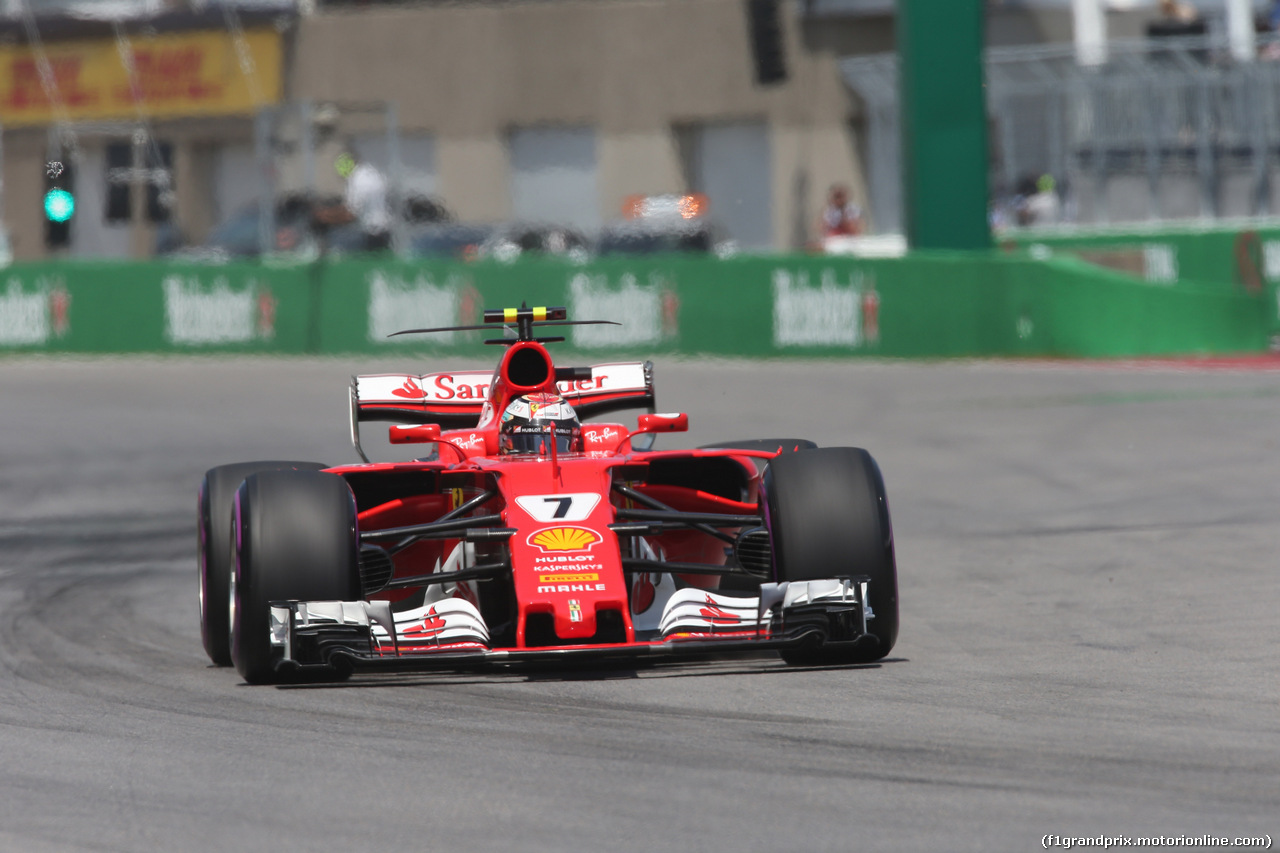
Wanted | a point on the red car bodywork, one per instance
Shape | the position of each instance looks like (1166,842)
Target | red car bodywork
(469,558)
(571,570)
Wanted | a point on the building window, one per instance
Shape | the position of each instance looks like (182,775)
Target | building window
(554,176)
(732,164)
(158,163)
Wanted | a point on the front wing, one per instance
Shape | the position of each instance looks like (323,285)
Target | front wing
(450,635)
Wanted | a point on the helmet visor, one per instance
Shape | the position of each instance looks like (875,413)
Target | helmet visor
(538,439)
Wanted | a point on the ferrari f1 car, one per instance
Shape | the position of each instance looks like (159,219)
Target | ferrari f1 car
(526,535)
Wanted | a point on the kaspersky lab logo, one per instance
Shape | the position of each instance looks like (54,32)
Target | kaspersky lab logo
(554,540)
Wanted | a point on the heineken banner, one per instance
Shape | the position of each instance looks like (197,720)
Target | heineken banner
(928,305)
(153,308)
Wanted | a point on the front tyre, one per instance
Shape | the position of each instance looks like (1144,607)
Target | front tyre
(828,516)
(213,520)
(294,537)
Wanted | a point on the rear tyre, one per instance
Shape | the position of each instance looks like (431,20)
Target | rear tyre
(295,537)
(213,520)
(828,516)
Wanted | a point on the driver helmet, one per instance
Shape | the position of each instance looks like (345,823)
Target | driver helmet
(532,421)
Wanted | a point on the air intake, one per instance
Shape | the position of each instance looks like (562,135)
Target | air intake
(527,368)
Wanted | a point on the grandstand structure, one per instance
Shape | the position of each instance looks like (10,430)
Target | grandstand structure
(1163,130)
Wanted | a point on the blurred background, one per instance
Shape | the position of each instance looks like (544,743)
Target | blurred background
(210,131)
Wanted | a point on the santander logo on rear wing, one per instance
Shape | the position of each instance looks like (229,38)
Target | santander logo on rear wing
(447,395)
(456,399)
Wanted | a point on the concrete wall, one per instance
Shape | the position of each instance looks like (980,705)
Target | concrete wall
(634,70)
(24,179)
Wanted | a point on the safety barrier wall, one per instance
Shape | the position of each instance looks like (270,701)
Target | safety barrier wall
(927,305)
(140,307)
(1233,257)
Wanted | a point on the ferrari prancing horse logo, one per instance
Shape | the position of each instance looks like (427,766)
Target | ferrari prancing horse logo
(555,539)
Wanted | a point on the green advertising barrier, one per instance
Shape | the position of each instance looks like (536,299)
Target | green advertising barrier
(926,305)
(678,304)
(1243,257)
(107,307)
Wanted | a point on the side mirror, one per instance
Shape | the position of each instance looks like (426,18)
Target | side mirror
(414,433)
(672,422)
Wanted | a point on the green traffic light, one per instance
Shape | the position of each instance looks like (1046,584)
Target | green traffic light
(59,205)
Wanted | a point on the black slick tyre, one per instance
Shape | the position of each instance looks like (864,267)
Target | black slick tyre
(295,537)
(828,516)
(213,552)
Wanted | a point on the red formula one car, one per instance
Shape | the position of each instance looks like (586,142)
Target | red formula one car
(527,535)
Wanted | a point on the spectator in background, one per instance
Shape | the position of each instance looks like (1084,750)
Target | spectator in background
(1021,201)
(841,217)
(366,199)
(1179,11)
(1043,206)
(1271,52)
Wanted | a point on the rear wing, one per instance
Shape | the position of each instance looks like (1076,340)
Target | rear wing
(452,399)
(455,399)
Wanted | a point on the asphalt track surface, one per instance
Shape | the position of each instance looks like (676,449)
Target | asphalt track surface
(1090,599)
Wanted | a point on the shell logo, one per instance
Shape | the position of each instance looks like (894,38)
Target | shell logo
(552,539)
